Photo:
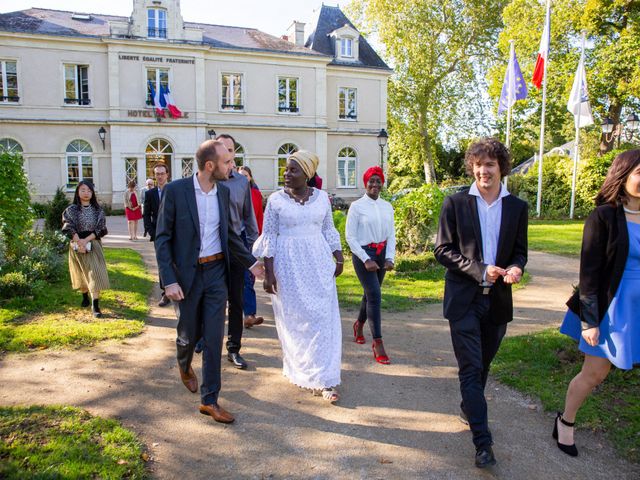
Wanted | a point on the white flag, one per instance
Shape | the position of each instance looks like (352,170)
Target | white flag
(579,100)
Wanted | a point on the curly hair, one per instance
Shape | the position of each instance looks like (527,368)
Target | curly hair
(488,147)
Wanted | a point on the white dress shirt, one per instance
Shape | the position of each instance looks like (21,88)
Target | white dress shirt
(370,221)
(490,216)
(209,218)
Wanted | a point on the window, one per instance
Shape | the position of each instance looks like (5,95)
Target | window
(10,146)
(156,23)
(79,163)
(187,167)
(239,157)
(131,170)
(76,84)
(346,47)
(347,106)
(158,151)
(156,77)
(288,94)
(232,92)
(284,152)
(347,160)
(9,81)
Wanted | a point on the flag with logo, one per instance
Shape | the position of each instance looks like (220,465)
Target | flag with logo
(579,99)
(514,87)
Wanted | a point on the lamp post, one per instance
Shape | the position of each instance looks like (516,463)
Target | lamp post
(102,133)
(382,142)
(611,130)
(212,134)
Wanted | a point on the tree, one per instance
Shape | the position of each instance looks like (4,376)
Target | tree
(15,209)
(438,49)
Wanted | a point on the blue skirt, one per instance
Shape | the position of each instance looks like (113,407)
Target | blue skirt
(620,328)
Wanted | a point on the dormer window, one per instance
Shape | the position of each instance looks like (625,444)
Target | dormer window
(346,47)
(156,23)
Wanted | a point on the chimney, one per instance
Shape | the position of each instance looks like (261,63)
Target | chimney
(295,33)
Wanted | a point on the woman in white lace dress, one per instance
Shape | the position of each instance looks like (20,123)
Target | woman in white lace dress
(302,256)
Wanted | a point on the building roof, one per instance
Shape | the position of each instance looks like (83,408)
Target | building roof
(43,21)
(330,19)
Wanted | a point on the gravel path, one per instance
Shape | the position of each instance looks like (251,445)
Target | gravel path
(392,422)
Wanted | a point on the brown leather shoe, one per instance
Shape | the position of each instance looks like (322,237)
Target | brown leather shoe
(189,379)
(252,320)
(218,413)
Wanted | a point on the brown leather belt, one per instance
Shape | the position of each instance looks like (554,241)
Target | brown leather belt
(211,258)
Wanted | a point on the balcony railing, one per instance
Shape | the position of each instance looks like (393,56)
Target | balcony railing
(9,98)
(157,32)
(77,101)
(348,116)
(228,106)
(282,108)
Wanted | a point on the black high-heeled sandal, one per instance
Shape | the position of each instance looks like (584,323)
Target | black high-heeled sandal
(568,449)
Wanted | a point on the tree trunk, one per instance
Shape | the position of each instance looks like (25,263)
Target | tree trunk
(607,141)
(429,168)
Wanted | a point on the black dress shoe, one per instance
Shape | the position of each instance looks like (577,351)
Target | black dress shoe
(199,346)
(485,457)
(237,360)
(164,301)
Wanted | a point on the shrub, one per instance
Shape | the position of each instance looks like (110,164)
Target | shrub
(55,208)
(40,256)
(416,218)
(401,183)
(415,263)
(15,207)
(40,209)
(15,284)
(340,221)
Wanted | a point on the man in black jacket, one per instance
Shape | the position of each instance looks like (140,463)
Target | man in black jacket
(151,204)
(482,241)
(194,246)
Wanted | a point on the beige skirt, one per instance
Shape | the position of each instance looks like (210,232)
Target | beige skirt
(89,270)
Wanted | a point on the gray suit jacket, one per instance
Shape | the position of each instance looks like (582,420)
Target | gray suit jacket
(177,239)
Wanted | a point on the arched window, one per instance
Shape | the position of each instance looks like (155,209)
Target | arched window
(79,162)
(158,151)
(9,145)
(284,152)
(347,164)
(239,158)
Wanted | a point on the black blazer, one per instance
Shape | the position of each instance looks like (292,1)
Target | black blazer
(605,247)
(178,234)
(459,249)
(150,211)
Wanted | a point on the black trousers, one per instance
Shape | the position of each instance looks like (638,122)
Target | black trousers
(371,283)
(159,277)
(201,316)
(236,312)
(475,342)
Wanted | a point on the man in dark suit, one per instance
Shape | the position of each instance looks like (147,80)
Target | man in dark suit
(150,209)
(194,245)
(482,241)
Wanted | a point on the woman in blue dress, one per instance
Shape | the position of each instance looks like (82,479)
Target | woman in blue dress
(601,312)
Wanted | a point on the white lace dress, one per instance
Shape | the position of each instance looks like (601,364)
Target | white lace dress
(301,239)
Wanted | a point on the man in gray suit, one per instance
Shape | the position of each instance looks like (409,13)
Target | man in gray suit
(194,245)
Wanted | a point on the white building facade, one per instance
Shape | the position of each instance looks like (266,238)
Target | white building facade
(75,97)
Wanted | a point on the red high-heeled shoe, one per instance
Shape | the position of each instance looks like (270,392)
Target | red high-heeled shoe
(383,359)
(357,338)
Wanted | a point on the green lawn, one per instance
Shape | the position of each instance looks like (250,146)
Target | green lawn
(562,237)
(53,317)
(543,364)
(65,442)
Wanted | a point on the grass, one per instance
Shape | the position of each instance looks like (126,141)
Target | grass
(64,442)
(400,291)
(561,237)
(542,365)
(53,317)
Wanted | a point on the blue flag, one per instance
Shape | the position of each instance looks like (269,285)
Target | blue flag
(514,87)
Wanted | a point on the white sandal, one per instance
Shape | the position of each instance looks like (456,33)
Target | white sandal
(330,395)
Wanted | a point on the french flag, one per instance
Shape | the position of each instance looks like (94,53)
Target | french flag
(543,53)
(171,106)
(157,103)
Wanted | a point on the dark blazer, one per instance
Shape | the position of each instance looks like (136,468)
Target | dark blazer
(605,248)
(178,234)
(459,249)
(150,211)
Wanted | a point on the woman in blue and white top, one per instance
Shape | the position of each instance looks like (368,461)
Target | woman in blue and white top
(371,236)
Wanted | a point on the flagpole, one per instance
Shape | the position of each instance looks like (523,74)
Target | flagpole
(511,94)
(542,119)
(576,152)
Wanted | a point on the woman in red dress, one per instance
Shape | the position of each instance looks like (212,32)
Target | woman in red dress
(132,210)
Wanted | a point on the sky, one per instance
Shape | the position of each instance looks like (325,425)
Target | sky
(270,16)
